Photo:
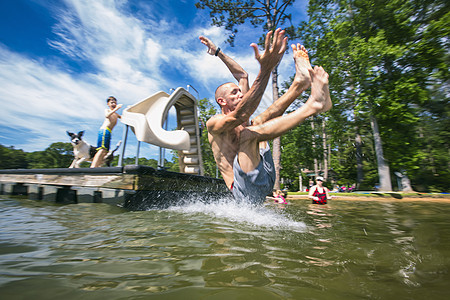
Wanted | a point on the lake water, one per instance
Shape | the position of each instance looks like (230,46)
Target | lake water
(348,250)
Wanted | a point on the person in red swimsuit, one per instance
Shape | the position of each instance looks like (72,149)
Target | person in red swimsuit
(318,193)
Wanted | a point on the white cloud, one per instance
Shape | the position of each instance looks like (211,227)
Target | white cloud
(36,96)
(40,95)
(130,56)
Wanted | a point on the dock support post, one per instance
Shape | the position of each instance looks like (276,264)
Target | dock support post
(19,189)
(136,161)
(98,197)
(122,154)
(66,195)
(40,194)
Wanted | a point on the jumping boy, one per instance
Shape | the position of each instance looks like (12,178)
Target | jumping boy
(104,134)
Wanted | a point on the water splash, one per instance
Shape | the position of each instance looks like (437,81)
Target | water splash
(242,212)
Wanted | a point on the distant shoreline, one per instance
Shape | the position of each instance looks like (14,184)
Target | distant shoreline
(390,197)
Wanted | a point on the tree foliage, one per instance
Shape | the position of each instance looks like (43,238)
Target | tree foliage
(206,111)
(11,158)
(387,60)
(57,155)
(267,14)
(60,155)
(142,161)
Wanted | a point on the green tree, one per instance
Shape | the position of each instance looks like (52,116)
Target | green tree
(57,155)
(206,110)
(387,62)
(141,161)
(11,158)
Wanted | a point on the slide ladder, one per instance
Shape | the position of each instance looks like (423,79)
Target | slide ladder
(148,116)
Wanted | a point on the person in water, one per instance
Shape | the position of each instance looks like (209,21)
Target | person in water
(278,197)
(104,134)
(318,193)
(240,147)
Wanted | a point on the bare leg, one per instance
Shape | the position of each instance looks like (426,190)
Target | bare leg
(72,165)
(248,154)
(302,66)
(302,81)
(320,95)
(318,102)
(251,136)
(98,158)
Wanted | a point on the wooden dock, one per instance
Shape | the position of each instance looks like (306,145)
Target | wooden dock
(133,187)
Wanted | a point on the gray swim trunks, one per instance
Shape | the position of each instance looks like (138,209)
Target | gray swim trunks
(255,185)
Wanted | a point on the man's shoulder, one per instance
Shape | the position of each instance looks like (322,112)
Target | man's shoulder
(210,124)
(218,116)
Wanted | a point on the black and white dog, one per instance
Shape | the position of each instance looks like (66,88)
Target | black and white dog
(85,152)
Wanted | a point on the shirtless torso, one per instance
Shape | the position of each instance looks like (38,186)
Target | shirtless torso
(225,146)
(111,117)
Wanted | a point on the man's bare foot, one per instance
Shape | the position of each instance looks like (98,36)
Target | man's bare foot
(320,99)
(302,65)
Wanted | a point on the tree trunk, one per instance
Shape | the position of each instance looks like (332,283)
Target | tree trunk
(300,181)
(429,151)
(325,153)
(383,168)
(313,139)
(276,153)
(359,161)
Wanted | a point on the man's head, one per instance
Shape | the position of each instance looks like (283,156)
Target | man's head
(228,96)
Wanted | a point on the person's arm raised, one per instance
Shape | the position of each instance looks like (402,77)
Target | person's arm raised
(268,61)
(235,69)
(108,112)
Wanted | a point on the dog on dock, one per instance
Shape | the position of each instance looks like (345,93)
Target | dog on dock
(83,151)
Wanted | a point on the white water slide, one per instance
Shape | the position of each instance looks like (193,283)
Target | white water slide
(147,118)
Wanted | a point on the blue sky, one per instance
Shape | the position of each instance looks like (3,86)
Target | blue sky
(61,59)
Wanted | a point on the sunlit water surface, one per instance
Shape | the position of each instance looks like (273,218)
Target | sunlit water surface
(348,250)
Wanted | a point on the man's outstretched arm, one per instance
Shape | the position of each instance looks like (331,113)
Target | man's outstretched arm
(236,70)
(250,102)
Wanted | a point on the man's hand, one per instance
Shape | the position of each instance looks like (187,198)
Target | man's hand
(273,51)
(211,47)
